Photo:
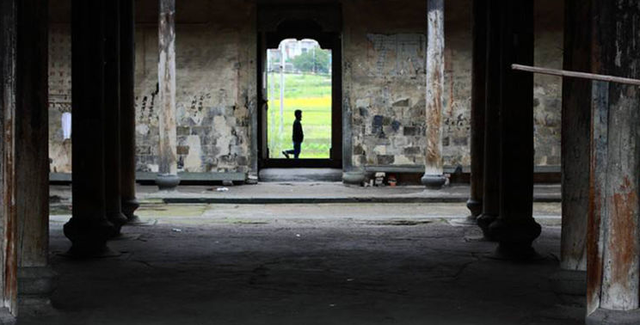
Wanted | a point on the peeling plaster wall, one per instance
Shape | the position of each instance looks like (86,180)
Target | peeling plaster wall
(215,72)
(383,81)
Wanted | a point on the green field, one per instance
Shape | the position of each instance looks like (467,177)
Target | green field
(312,95)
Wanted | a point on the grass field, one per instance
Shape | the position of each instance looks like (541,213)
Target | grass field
(312,95)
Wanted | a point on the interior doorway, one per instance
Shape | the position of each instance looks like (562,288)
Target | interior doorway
(300,68)
(299,79)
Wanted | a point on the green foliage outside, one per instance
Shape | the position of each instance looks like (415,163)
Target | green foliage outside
(316,61)
(312,95)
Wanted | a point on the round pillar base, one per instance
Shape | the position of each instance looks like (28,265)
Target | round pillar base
(475,206)
(484,221)
(118,219)
(515,237)
(129,206)
(167,182)
(353,177)
(617,317)
(89,237)
(435,182)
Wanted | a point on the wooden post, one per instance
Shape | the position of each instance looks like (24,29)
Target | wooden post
(491,187)
(515,229)
(128,111)
(168,171)
(8,213)
(576,121)
(478,102)
(434,174)
(32,156)
(112,127)
(613,250)
(88,228)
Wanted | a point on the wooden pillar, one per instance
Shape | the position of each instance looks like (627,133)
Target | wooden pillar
(434,174)
(168,172)
(478,102)
(88,228)
(515,229)
(113,199)
(8,210)
(32,155)
(128,111)
(576,122)
(613,279)
(491,186)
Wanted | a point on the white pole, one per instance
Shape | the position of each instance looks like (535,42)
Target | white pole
(282,65)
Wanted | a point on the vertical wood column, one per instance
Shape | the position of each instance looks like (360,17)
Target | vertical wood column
(613,279)
(128,111)
(112,114)
(515,229)
(32,156)
(576,122)
(434,174)
(168,173)
(32,129)
(491,186)
(478,103)
(8,211)
(88,228)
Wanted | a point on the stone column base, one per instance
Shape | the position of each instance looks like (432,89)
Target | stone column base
(35,286)
(614,317)
(435,182)
(167,182)
(353,177)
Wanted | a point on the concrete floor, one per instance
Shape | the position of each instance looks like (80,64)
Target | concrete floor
(307,264)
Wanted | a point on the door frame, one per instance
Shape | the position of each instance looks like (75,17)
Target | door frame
(322,23)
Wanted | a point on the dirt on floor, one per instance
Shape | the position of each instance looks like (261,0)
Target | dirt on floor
(287,265)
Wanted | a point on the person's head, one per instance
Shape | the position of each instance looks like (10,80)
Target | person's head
(298,114)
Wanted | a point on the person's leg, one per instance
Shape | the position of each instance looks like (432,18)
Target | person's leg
(296,150)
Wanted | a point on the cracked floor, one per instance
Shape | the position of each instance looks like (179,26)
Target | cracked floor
(306,264)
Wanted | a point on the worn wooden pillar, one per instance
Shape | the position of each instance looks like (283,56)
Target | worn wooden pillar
(491,186)
(113,199)
(434,174)
(128,111)
(8,210)
(613,261)
(168,171)
(32,156)
(88,228)
(576,122)
(515,229)
(478,102)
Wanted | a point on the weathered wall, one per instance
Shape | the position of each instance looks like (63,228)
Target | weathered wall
(216,68)
(383,78)
(384,81)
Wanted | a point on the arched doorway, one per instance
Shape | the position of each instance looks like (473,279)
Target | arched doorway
(310,25)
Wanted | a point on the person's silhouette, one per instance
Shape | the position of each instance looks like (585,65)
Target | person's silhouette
(297,137)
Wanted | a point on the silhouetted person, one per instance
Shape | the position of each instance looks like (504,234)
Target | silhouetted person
(297,137)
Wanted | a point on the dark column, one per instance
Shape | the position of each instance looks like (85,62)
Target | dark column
(491,186)
(478,102)
(32,156)
(112,114)
(8,215)
(515,229)
(576,141)
(128,111)
(614,236)
(89,228)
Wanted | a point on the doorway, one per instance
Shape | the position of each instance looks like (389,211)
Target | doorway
(299,68)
